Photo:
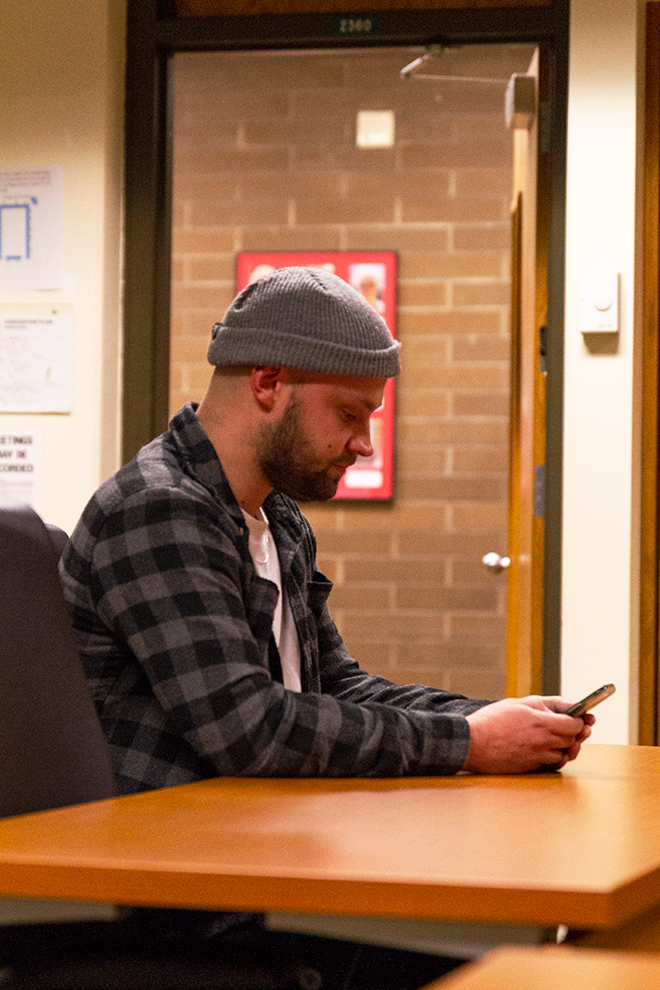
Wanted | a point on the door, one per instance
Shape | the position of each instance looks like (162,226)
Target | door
(281,170)
(528,383)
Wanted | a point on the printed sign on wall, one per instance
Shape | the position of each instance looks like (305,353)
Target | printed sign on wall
(20,461)
(36,359)
(373,273)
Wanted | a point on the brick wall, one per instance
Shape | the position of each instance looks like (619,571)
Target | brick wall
(265,159)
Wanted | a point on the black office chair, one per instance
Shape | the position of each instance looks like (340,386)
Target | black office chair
(53,753)
(52,749)
(58,536)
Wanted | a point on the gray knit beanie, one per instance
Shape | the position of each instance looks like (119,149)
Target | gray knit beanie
(309,319)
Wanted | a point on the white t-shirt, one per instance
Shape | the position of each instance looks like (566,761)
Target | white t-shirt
(267,565)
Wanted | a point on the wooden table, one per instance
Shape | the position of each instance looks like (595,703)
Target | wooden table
(554,968)
(580,848)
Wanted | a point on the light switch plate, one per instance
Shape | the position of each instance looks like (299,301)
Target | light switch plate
(599,302)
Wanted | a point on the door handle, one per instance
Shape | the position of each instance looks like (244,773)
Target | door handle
(494,563)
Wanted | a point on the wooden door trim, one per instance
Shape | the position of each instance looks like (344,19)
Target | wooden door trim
(513,591)
(649,631)
(527,430)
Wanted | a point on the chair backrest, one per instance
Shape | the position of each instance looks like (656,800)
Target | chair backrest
(58,536)
(52,749)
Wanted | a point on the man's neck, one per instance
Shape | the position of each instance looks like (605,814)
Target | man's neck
(245,480)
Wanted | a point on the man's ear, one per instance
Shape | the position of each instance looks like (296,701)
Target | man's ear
(267,386)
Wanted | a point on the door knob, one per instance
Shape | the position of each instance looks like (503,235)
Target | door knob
(494,563)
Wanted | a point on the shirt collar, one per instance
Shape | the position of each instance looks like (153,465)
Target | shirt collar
(195,447)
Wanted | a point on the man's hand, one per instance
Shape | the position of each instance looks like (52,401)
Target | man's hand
(519,735)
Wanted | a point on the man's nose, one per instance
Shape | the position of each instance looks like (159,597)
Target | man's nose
(361,445)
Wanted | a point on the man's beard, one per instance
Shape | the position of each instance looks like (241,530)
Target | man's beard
(287,459)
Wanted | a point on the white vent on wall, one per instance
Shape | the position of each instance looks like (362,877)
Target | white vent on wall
(374,129)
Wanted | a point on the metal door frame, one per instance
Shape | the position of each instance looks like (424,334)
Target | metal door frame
(153,38)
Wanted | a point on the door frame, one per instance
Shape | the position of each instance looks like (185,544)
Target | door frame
(154,37)
(649,627)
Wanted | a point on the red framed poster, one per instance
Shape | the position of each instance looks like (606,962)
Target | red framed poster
(373,273)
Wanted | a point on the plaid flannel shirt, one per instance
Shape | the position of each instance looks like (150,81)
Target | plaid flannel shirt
(174,629)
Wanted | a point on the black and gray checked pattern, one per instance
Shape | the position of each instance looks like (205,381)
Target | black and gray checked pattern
(174,628)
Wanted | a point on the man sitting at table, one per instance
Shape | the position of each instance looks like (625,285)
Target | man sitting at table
(200,614)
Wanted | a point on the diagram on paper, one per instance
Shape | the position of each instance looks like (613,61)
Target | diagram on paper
(15,230)
(36,358)
(31,230)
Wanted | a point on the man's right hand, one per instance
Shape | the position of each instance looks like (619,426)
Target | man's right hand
(519,735)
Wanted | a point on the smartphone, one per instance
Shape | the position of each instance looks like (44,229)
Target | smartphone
(580,707)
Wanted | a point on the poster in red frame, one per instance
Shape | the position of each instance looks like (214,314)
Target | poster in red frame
(373,273)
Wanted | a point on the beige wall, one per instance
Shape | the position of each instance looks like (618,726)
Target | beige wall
(601,433)
(61,103)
